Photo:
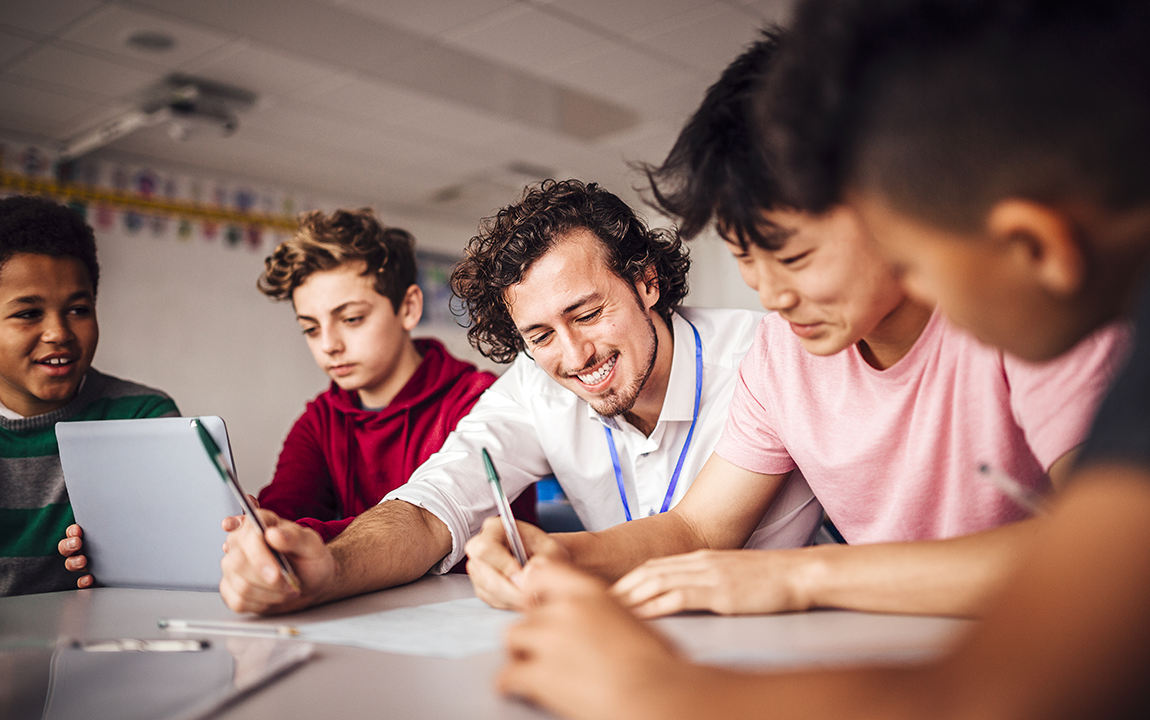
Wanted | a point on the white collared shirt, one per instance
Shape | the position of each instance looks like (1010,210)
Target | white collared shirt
(534,427)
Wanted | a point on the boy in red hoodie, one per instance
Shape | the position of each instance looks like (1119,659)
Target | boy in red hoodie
(392,401)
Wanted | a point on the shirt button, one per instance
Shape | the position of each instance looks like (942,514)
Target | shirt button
(650,512)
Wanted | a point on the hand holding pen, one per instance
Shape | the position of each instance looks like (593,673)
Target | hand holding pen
(229,478)
(498,554)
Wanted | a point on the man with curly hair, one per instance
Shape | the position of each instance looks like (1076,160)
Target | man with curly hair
(613,388)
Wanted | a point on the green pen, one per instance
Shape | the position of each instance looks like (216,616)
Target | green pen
(229,478)
(504,508)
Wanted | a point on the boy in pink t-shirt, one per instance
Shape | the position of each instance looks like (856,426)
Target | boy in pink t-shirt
(895,454)
(887,409)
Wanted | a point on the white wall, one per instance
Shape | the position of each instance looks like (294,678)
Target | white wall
(715,279)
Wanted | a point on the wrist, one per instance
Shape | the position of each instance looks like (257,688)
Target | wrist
(809,575)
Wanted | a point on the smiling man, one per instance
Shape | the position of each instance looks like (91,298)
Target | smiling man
(613,388)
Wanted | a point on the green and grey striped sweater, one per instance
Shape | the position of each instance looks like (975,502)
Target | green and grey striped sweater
(34,507)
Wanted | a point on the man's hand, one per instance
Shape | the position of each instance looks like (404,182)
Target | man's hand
(495,573)
(71,547)
(580,654)
(252,581)
(728,582)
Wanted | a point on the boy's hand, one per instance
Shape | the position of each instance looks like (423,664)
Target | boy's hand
(580,654)
(727,582)
(495,573)
(71,547)
(252,581)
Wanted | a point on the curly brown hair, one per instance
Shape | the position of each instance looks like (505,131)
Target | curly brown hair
(324,242)
(509,242)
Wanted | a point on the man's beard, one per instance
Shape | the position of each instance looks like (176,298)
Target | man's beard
(621,401)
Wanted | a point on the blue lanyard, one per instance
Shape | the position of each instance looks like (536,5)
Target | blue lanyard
(687,444)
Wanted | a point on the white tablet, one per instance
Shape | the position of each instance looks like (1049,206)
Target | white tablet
(149,499)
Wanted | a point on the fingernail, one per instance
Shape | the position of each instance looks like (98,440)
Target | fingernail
(73,544)
(270,573)
(518,579)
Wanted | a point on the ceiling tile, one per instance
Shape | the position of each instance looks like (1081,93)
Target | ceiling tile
(426,18)
(523,37)
(76,70)
(361,98)
(41,111)
(45,16)
(262,70)
(623,17)
(707,40)
(12,46)
(776,11)
(614,70)
(109,28)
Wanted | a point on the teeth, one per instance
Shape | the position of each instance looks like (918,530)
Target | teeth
(597,376)
(57,361)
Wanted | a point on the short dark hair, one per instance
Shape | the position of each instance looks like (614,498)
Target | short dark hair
(39,226)
(324,242)
(717,167)
(947,106)
(511,241)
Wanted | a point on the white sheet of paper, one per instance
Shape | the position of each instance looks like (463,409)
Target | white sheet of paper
(452,629)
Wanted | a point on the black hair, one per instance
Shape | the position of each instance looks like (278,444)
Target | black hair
(946,106)
(716,168)
(510,242)
(39,226)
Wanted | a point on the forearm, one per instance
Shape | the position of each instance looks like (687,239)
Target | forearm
(705,691)
(393,543)
(612,553)
(719,512)
(939,577)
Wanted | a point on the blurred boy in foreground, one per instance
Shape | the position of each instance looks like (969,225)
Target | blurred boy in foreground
(997,151)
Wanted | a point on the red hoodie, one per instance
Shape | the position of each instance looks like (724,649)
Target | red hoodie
(339,459)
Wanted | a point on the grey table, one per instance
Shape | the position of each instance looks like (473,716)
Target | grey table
(346,682)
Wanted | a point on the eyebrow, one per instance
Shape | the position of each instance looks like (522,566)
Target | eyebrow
(39,299)
(334,311)
(578,303)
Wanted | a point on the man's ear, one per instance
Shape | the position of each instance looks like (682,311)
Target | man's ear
(1043,240)
(411,308)
(648,287)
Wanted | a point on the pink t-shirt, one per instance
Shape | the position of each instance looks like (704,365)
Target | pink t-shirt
(894,454)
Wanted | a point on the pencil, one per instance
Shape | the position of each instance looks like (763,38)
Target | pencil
(1016,491)
(223,627)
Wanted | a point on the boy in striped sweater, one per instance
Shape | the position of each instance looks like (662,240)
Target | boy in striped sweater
(48,335)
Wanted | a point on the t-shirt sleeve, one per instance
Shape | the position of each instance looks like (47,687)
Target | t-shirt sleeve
(749,439)
(1055,402)
(1121,432)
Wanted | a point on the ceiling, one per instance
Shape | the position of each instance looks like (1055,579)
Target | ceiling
(424,108)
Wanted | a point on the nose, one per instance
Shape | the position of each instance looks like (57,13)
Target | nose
(575,350)
(57,330)
(330,340)
(775,293)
